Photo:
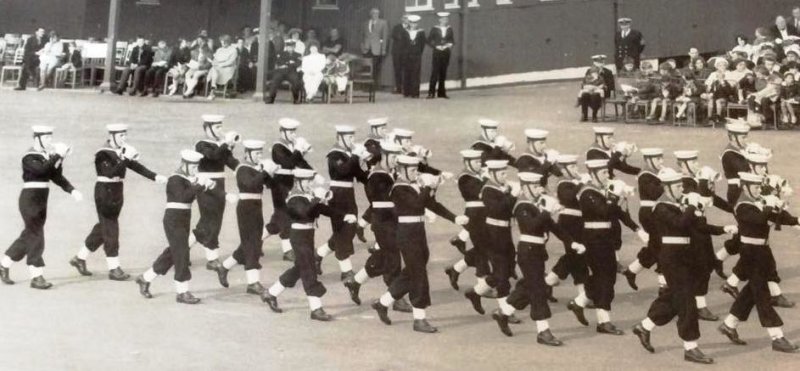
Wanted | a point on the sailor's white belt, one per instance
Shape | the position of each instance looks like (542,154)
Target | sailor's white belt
(497,222)
(474,204)
(303,226)
(597,225)
(675,240)
(411,219)
(734,181)
(178,205)
(341,184)
(250,196)
(284,172)
(573,212)
(29,185)
(212,175)
(532,239)
(382,205)
(753,241)
(647,203)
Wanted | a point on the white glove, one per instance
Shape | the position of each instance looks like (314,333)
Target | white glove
(462,220)
(302,145)
(361,151)
(579,248)
(430,216)
(707,173)
(619,188)
(362,223)
(130,153)
(585,178)
(350,218)
(549,204)
(231,138)
(160,179)
(232,198)
(428,180)
(504,144)
(61,149)
(446,175)
(694,199)
(269,166)
(422,151)
(77,195)
(319,180)
(322,193)
(551,156)
(208,183)
(773,201)
(515,188)
(625,148)
(731,229)
(643,236)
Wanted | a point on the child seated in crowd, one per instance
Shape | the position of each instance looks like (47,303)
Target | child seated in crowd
(690,96)
(668,86)
(336,73)
(760,104)
(790,92)
(717,95)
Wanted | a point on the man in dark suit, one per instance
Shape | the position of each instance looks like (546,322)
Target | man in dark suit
(441,39)
(782,29)
(30,60)
(376,40)
(627,43)
(286,64)
(795,20)
(133,64)
(400,43)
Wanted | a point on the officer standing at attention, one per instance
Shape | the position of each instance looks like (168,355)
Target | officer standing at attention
(627,43)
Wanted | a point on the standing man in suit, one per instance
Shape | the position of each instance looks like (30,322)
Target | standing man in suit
(30,60)
(376,39)
(441,40)
(400,43)
(627,43)
(795,20)
(782,29)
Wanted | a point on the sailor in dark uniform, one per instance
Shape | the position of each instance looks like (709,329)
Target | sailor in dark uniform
(217,151)
(182,188)
(441,39)
(111,163)
(412,194)
(405,138)
(377,135)
(253,175)
(288,152)
(42,164)
(733,162)
(416,40)
(674,216)
(304,206)
(605,147)
(538,159)
(627,43)
(754,213)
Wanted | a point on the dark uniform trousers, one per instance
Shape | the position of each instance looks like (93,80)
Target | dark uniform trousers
(212,207)
(677,299)
(413,279)
(285,74)
(177,223)
(303,245)
(411,71)
(251,221)
(477,257)
(756,293)
(108,200)
(532,289)
(500,250)
(648,255)
(571,263)
(30,243)
(341,241)
(398,63)
(704,261)
(441,60)
(279,222)
(590,100)
(386,261)
(602,262)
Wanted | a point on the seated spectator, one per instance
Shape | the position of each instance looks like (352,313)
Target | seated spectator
(294,38)
(337,73)
(286,65)
(743,46)
(245,76)
(698,69)
(690,95)
(760,105)
(669,87)
(747,86)
(312,66)
(720,66)
(197,69)
(154,77)
(742,66)
(334,44)
(72,62)
(770,62)
(223,66)
(591,93)
(133,65)
(790,93)
(50,57)
(718,93)
(629,70)
(311,37)
(178,65)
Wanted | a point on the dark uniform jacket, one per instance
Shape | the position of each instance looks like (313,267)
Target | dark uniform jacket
(42,167)
(615,160)
(527,162)
(733,162)
(435,38)
(538,223)
(110,164)
(492,152)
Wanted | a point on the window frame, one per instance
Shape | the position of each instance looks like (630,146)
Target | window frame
(456,5)
(420,8)
(318,6)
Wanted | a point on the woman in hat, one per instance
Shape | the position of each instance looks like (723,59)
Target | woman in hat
(223,65)
(294,37)
(312,66)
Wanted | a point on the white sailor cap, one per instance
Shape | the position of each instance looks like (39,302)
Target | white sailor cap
(253,145)
(495,165)
(42,129)
(488,123)
(599,57)
(751,178)
(530,178)
(391,147)
(756,158)
(567,159)
(303,173)
(685,155)
(407,160)
(191,157)
(414,18)
(668,176)
(403,133)
(652,152)
(116,128)
(378,121)
(596,164)
(443,14)
(603,130)
(470,154)
(209,119)
(736,127)
(288,124)
(624,20)
(536,134)
(345,129)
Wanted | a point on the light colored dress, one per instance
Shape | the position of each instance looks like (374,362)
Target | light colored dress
(312,66)
(226,59)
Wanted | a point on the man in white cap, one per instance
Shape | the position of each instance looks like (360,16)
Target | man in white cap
(412,194)
(288,152)
(674,216)
(405,138)
(538,159)
(627,43)
(734,161)
(377,134)
(441,39)
(42,164)
(605,147)
(217,151)
(493,145)
(183,186)
(754,213)
(413,59)
(305,204)
(111,162)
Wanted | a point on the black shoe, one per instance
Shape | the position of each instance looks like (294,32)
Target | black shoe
(696,356)
(452,275)
(459,244)
(289,256)
(222,275)
(318,264)
(430,96)
(401,306)
(272,301)
(156,93)
(594,119)
(187,298)
(360,234)
(383,312)
(5,276)
(40,283)
(475,299)
(354,287)
(644,337)
(720,270)
(609,328)
(444,96)
(546,337)
(705,315)
(422,325)
(781,301)
(132,93)
(584,119)
(213,265)
(491,294)
(513,319)
(731,333)
(782,345)
(502,322)
(578,311)
(347,276)
(631,278)
(255,289)
(550,297)
(19,88)
(730,290)
(320,315)
(80,265)
(144,287)
(144,94)
(117,274)
(621,268)
(118,92)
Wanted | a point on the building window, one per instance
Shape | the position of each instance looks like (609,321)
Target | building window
(418,5)
(148,2)
(454,4)
(326,5)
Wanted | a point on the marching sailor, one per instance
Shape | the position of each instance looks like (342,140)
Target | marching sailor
(493,145)
(734,161)
(539,159)
(605,147)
